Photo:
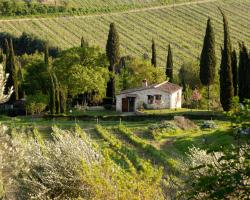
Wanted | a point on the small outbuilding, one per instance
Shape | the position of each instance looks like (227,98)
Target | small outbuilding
(165,95)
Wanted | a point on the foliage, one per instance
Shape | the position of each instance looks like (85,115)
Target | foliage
(154,154)
(11,69)
(219,175)
(169,65)
(26,43)
(196,97)
(37,103)
(208,60)
(36,78)
(71,167)
(136,71)
(208,124)
(208,57)
(82,70)
(235,72)
(154,55)
(189,75)
(226,77)
(163,129)
(244,73)
(3,77)
(113,55)
(222,173)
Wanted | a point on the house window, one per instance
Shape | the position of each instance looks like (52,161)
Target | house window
(158,99)
(150,99)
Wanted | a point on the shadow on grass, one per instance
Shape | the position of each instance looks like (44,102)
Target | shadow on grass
(217,140)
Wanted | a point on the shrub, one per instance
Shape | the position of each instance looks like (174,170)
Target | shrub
(219,175)
(35,104)
(71,167)
(165,128)
(208,124)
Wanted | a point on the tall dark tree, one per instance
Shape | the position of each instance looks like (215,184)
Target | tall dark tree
(208,59)
(1,56)
(84,43)
(113,55)
(153,59)
(11,69)
(226,77)
(169,66)
(51,88)
(244,73)
(235,72)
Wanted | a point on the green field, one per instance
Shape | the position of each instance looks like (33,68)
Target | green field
(120,3)
(169,150)
(182,26)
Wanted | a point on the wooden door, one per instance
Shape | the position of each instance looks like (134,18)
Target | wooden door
(124,104)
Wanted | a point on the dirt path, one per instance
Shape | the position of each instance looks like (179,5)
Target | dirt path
(112,14)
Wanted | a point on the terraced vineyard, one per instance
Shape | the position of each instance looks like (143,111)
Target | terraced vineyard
(119,3)
(183,26)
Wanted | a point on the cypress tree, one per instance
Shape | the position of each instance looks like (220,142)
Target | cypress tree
(244,74)
(153,59)
(11,69)
(208,59)
(235,72)
(84,43)
(169,66)
(7,48)
(1,56)
(113,55)
(226,78)
(51,89)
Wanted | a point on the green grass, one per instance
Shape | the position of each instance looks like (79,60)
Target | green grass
(115,3)
(183,27)
(132,142)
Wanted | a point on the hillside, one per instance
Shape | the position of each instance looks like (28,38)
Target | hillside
(183,26)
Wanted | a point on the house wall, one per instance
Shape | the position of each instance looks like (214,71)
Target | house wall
(168,100)
(176,99)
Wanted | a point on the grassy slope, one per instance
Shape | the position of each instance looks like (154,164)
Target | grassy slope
(116,3)
(183,27)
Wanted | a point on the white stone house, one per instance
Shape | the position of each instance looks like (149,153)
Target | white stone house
(165,95)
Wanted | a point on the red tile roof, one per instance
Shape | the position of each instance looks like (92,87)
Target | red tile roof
(165,87)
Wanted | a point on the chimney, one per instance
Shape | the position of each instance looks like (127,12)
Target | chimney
(145,83)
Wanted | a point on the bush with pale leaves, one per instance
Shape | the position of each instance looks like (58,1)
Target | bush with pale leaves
(71,167)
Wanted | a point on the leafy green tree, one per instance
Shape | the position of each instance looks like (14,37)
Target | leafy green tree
(189,75)
(11,69)
(153,59)
(169,66)
(136,71)
(226,78)
(208,59)
(235,72)
(36,78)
(113,55)
(82,71)
(244,73)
